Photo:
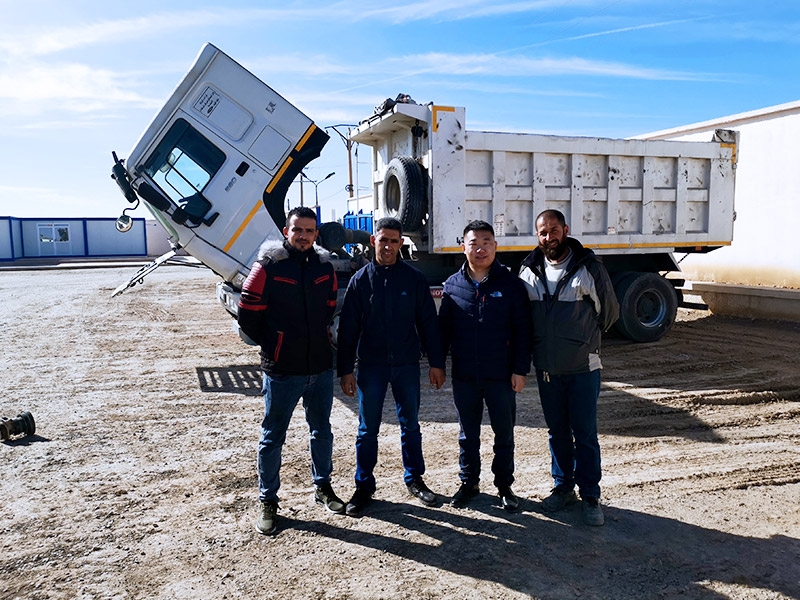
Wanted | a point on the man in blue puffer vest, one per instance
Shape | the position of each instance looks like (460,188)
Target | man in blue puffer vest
(485,323)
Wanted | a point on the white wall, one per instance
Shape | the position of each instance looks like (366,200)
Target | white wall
(157,238)
(6,238)
(364,203)
(767,227)
(103,239)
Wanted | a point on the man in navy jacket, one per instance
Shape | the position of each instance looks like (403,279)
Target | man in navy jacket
(388,317)
(485,324)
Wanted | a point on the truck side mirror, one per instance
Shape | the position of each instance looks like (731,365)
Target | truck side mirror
(124,223)
(180,216)
(153,197)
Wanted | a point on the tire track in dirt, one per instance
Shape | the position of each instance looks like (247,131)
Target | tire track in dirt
(695,412)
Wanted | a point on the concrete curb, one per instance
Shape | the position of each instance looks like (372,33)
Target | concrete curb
(750,301)
(48,264)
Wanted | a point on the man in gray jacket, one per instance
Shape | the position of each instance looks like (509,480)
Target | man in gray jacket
(573,303)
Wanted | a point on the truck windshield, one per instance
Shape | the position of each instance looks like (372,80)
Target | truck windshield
(184,162)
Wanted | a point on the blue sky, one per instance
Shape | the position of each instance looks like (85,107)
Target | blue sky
(79,79)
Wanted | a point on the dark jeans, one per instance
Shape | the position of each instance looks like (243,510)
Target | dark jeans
(373,382)
(501,403)
(569,403)
(281,394)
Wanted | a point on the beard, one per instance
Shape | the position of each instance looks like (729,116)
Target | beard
(556,251)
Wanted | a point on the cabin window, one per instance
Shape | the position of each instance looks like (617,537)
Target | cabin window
(184,162)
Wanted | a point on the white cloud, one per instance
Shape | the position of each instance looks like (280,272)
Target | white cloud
(455,10)
(56,202)
(43,41)
(25,189)
(46,41)
(73,88)
(494,65)
(521,66)
(607,32)
(506,89)
(768,32)
(305,65)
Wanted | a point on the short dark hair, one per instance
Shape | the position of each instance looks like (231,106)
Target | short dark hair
(388,223)
(478,225)
(552,213)
(301,212)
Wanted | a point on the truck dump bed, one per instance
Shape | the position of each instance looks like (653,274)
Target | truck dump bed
(619,196)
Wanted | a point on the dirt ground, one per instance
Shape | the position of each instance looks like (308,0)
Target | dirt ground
(140,480)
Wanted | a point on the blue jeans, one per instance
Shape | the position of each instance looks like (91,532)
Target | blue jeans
(281,394)
(501,403)
(569,403)
(373,381)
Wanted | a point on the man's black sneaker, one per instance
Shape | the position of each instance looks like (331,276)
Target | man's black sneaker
(418,489)
(267,517)
(323,494)
(358,502)
(558,500)
(465,493)
(592,513)
(508,498)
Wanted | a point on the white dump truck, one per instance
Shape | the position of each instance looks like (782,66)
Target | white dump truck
(634,202)
(216,162)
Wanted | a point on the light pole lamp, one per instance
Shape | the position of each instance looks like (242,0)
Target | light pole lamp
(316,186)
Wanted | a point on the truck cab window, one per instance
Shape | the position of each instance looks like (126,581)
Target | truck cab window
(183,163)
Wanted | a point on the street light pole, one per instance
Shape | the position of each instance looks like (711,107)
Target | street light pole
(316,185)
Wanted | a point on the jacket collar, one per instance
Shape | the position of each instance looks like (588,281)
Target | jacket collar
(494,268)
(386,267)
(277,250)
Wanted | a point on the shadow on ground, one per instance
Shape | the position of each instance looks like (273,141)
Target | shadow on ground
(686,366)
(635,555)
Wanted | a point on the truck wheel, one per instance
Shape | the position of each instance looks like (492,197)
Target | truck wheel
(405,194)
(332,236)
(648,305)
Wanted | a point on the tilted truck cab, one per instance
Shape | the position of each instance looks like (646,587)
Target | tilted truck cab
(214,165)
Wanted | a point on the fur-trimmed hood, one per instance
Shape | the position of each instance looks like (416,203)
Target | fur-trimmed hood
(278,250)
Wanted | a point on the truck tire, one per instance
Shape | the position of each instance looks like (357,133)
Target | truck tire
(648,305)
(332,236)
(405,192)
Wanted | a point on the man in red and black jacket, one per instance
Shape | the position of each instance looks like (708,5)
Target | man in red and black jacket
(286,307)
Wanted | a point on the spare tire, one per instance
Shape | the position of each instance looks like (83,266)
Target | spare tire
(332,236)
(405,192)
(648,305)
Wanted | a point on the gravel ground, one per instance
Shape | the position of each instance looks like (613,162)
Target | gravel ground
(140,480)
